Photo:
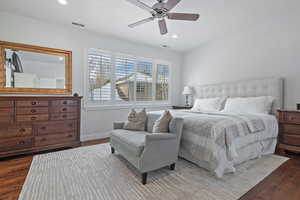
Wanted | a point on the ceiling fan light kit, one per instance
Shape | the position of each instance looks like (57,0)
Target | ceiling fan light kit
(161,11)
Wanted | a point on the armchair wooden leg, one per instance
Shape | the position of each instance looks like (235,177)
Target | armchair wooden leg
(172,166)
(144,178)
(112,150)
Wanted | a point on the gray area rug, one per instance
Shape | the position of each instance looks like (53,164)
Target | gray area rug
(93,173)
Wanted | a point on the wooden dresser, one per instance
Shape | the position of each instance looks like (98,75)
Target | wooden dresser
(289,130)
(33,124)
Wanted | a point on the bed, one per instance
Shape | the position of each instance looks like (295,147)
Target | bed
(219,141)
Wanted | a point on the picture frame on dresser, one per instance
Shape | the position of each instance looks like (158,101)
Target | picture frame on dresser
(30,124)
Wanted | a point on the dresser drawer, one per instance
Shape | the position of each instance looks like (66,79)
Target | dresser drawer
(15,131)
(63,116)
(32,118)
(290,128)
(292,117)
(6,117)
(63,109)
(55,139)
(291,139)
(64,102)
(55,127)
(4,104)
(31,103)
(16,143)
(32,110)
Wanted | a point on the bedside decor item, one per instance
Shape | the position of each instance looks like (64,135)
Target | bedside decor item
(289,130)
(298,106)
(182,107)
(187,91)
(30,124)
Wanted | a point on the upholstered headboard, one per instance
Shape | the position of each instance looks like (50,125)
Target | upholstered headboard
(246,88)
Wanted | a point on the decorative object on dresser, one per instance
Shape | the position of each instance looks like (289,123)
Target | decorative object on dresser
(31,124)
(182,107)
(289,130)
(187,91)
(298,106)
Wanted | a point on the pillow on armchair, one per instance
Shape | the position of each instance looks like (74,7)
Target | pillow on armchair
(136,120)
(161,125)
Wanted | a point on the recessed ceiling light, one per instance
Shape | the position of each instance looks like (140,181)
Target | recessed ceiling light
(63,2)
(175,36)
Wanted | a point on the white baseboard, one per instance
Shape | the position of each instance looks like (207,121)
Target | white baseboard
(94,136)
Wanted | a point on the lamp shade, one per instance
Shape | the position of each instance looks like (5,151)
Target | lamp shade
(187,90)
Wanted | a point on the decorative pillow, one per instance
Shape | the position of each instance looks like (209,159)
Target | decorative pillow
(136,120)
(208,105)
(253,105)
(161,125)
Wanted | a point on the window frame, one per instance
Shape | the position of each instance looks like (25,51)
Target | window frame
(115,104)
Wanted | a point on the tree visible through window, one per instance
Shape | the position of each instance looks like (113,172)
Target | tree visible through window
(119,78)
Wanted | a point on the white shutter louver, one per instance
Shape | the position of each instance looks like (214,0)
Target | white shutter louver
(125,79)
(99,65)
(162,82)
(143,81)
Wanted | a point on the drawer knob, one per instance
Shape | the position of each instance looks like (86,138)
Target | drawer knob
(22,142)
(33,110)
(70,136)
(22,130)
(65,102)
(33,118)
(43,128)
(43,139)
(64,109)
(33,103)
(64,116)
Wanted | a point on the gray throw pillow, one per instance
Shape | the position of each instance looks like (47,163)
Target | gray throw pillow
(161,125)
(136,120)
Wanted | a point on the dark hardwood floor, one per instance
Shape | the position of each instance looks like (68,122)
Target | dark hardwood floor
(283,183)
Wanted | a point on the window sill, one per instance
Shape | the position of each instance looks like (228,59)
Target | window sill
(125,106)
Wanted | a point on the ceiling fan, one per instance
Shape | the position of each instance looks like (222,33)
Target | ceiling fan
(160,11)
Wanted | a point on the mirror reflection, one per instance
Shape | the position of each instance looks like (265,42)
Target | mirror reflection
(25,69)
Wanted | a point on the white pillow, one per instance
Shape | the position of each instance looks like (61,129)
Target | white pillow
(208,105)
(253,105)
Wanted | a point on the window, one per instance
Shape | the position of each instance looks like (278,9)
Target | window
(117,78)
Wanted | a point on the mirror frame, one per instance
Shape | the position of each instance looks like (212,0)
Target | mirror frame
(24,47)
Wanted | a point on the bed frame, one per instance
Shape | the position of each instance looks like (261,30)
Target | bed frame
(245,88)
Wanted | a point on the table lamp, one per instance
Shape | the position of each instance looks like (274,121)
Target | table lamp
(187,91)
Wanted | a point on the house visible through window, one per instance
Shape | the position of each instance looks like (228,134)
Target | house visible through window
(117,78)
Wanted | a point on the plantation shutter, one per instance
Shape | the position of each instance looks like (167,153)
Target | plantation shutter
(99,66)
(162,82)
(144,81)
(124,78)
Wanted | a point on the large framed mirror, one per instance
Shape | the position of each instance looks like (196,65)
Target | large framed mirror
(27,69)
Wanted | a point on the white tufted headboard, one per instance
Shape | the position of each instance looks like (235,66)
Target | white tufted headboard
(246,88)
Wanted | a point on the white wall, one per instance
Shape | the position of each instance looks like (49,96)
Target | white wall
(95,123)
(270,48)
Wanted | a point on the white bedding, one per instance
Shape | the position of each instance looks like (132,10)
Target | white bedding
(219,141)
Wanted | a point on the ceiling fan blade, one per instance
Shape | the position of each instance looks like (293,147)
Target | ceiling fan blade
(183,16)
(171,4)
(142,5)
(141,22)
(162,26)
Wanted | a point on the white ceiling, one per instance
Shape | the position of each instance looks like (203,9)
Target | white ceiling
(111,17)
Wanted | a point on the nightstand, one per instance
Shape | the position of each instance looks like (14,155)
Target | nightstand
(289,130)
(182,107)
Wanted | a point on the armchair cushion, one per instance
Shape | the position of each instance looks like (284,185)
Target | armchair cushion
(132,141)
(136,120)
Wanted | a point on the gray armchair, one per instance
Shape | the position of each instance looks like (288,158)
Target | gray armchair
(147,151)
